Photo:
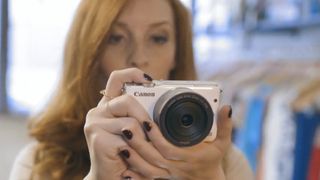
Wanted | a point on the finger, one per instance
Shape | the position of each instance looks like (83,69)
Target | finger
(116,126)
(139,165)
(224,128)
(130,129)
(131,175)
(119,77)
(166,149)
(127,106)
(100,149)
(145,149)
(132,132)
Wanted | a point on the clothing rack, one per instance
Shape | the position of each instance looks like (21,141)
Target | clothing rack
(276,116)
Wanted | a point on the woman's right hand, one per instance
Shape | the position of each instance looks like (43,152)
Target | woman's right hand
(116,116)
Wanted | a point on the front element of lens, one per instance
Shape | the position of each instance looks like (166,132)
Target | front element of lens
(185,118)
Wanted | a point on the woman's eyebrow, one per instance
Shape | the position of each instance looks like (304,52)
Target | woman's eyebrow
(160,23)
(152,25)
(121,25)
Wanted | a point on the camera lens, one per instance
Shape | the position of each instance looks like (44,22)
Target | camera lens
(185,118)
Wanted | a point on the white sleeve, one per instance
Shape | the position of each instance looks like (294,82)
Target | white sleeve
(23,163)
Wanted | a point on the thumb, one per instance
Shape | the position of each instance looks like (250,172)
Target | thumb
(131,175)
(224,128)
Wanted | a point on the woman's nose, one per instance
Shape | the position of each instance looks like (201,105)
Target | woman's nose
(138,57)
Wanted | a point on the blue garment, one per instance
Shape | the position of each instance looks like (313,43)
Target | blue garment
(315,7)
(248,139)
(307,123)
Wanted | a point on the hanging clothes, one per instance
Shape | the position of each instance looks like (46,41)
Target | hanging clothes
(314,165)
(307,123)
(275,118)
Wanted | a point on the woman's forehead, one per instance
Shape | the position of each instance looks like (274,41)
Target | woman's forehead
(146,12)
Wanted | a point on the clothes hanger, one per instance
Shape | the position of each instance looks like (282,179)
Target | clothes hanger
(308,96)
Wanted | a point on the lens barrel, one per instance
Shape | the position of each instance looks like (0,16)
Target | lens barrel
(184,117)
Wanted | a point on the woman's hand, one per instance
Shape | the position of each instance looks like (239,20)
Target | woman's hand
(202,161)
(113,122)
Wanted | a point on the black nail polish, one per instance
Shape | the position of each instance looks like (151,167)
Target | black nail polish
(128,134)
(230,112)
(127,178)
(147,126)
(125,154)
(147,77)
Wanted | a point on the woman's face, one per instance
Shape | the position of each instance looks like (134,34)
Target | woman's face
(143,36)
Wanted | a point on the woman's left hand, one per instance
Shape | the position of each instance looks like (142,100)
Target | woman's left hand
(201,161)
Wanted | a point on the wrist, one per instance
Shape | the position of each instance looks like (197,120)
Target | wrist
(218,173)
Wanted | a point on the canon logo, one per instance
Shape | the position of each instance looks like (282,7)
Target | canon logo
(148,94)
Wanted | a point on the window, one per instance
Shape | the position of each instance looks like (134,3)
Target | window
(37,32)
(3,53)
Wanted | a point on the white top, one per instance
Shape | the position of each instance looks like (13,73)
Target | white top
(23,163)
(237,167)
(279,151)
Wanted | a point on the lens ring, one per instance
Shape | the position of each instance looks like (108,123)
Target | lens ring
(176,104)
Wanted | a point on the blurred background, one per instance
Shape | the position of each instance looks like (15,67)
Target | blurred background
(265,53)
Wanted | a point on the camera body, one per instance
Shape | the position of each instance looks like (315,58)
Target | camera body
(185,111)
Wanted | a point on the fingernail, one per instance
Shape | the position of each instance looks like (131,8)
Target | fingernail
(147,77)
(125,153)
(127,178)
(128,134)
(147,126)
(230,112)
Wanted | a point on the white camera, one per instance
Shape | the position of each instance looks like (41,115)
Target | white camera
(185,111)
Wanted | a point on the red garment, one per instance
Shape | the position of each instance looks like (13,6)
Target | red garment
(314,166)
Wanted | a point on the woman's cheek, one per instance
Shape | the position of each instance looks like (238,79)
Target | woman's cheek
(113,59)
(160,69)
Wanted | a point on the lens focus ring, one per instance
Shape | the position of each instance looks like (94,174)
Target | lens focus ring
(185,118)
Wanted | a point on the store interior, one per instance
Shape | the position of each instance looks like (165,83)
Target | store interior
(265,54)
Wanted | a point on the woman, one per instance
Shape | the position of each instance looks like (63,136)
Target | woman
(81,135)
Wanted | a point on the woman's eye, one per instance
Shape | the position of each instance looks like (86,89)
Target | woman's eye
(159,39)
(115,39)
